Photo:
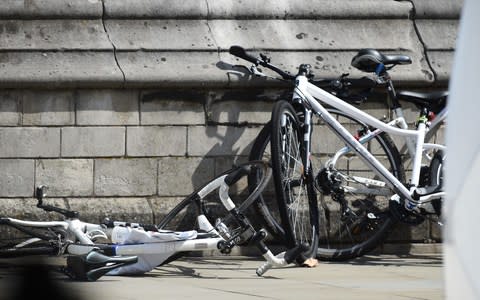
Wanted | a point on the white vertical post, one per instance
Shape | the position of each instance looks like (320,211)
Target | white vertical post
(462,206)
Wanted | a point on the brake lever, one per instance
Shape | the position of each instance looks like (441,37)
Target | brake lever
(255,71)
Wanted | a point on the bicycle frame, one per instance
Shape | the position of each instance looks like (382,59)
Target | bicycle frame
(312,96)
(81,235)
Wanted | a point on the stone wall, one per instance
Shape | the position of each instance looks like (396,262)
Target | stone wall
(124,107)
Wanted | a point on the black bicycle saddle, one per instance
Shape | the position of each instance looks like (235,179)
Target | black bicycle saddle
(367,60)
(93,265)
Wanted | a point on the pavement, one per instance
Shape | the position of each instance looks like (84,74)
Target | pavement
(233,277)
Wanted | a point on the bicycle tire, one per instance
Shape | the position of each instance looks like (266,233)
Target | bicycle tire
(20,241)
(266,206)
(294,188)
(436,177)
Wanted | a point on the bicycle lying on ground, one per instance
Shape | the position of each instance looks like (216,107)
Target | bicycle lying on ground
(362,186)
(117,248)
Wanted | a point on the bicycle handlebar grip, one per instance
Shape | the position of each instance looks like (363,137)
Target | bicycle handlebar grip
(240,52)
(236,175)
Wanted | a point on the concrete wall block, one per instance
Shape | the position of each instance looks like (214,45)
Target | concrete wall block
(95,210)
(240,112)
(52,69)
(180,176)
(10,108)
(435,9)
(404,233)
(177,107)
(441,62)
(65,177)
(161,9)
(430,31)
(93,141)
(39,9)
(272,9)
(17,179)
(185,220)
(220,140)
(107,107)
(30,142)
(160,34)
(53,34)
(26,209)
(156,141)
(45,108)
(324,141)
(125,177)
(315,34)
(172,69)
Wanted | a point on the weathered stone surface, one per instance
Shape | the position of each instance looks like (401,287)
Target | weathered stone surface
(125,177)
(404,232)
(435,9)
(185,220)
(44,35)
(29,142)
(438,34)
(315,34)
(107,107)
(220,140)
(93,141)
(160,34)
(441,62)
(65,177)
(46,108)
(26,209)
(171,69)
(59,69)
(9,108)
(95,210)
(172,107)
(156,141)
(181,176)
(39,9)
(17,178)
(253,9)
(186,9)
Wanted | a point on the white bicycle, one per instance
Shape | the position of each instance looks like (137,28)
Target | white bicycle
(341,190)
(114,247)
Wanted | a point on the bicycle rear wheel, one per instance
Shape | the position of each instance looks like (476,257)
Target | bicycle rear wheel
(354,203)
(294,185)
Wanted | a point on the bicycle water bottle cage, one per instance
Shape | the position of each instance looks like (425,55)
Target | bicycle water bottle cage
(368,60)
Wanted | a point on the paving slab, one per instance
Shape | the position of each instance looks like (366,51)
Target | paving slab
(369,277)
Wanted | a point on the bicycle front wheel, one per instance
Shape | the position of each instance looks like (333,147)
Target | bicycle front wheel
(20,240)
(294,184)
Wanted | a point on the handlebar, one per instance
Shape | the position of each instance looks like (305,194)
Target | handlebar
(339,86)
(40,193)
(262,61)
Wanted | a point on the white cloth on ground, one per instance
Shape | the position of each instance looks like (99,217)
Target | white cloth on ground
(146,262)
